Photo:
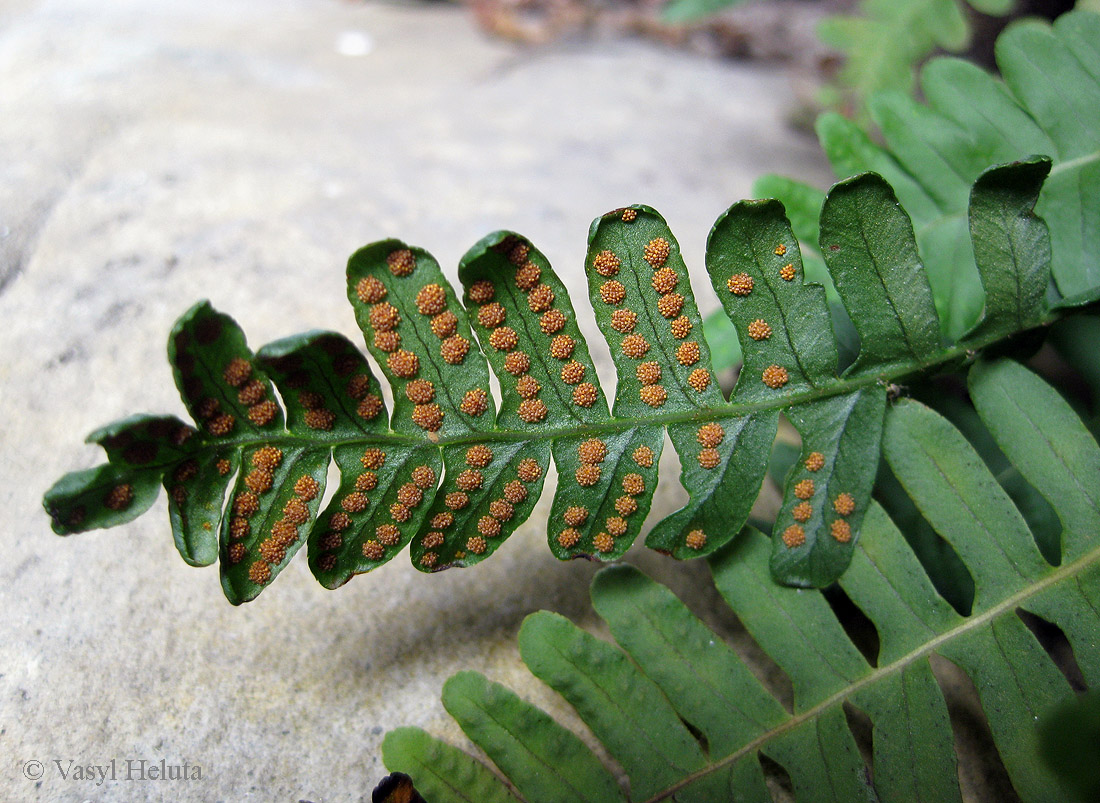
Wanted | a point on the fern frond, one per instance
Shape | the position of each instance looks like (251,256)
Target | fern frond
(679,11)
(677,709)
(884,44)
(453,477)
(1045,102)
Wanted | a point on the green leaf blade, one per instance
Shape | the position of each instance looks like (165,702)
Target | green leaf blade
(156,447)
(1073,211)
(486,493)
(869,247)
(795,627)
(999,129)
(274,503)
(528,330)
(196,489)
(926,144)
(722,465)
(747,783)
(755,264)
(914,753)
(420,335)
(326,386)
(959,496)
(104,496)
(676,680)
(1017,683)
(646,310)
(1048,443)
(827,492)
(1050,80)
(1045,105)
(145,440)
(801,202)
(1079,31)
(1073,604)
(703,678)
(803,207)
(823,761)
(383,498)
(889,584)
(444,773)
(605,490)
(624,709)
(852,152)
(220,385)
(725,352)
(545,761)
(1011,244)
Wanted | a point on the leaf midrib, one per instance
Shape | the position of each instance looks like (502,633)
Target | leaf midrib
(864,378)
(970,624)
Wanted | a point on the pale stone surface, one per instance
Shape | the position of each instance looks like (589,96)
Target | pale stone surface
(157,152)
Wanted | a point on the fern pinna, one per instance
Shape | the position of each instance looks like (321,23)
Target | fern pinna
(454,476)
(685,719)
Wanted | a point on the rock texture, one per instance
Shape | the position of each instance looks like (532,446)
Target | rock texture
(158,152)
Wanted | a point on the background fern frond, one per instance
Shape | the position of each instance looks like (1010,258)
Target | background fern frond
(675,706)
(882,43)
(1044,103)
(885,44)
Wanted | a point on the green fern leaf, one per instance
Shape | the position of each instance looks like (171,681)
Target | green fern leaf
(462,777)
(526,743)
(493,464)
(677,709)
